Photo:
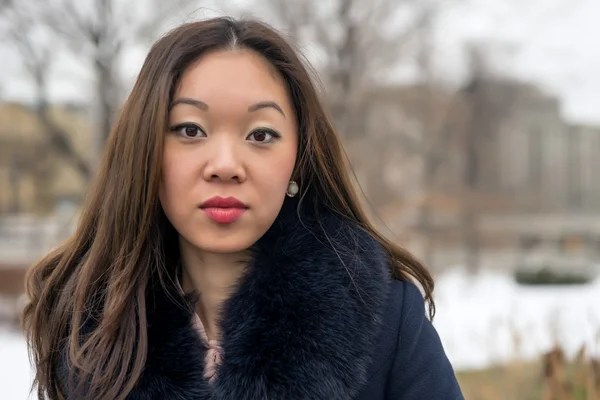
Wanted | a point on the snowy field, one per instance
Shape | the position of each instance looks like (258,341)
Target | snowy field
(482,320)
(491,320)
(15,373)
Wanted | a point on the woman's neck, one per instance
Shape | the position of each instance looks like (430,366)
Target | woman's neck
(213,277)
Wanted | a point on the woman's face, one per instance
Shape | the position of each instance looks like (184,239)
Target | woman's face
(229,153)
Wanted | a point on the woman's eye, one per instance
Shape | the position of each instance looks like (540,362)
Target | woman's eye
(188,131)
(263,136)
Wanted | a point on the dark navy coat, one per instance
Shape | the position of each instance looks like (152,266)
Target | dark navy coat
(316,317)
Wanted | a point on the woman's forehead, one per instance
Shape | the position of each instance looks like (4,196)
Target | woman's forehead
(241,74)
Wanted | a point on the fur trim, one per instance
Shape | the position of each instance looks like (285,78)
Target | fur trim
(303,323)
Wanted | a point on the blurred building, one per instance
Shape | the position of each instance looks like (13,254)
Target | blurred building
(528,157)
(39,190)
(544,163)
(34,176)
(497,149)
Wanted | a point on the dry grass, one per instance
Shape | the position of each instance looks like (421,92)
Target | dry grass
(551,378)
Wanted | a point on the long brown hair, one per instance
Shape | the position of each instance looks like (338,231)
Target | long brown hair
(100,276)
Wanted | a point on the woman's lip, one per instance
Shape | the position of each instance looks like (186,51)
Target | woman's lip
(223,202)
(224,215)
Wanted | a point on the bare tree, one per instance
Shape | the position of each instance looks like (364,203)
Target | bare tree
(96,33)
(358,42)
(438,134)
(37,48)
(489,99)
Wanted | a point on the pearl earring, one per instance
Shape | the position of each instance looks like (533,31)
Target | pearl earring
(292,189)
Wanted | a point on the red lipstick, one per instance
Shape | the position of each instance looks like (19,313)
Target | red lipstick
(223,210)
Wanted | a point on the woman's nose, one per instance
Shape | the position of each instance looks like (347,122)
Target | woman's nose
(224,162)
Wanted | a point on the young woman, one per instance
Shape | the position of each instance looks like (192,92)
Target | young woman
(222,252)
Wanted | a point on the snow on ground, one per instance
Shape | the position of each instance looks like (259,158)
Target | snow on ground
(482,320)
(490,319)
(15,372)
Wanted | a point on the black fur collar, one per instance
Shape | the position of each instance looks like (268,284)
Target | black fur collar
(303,323)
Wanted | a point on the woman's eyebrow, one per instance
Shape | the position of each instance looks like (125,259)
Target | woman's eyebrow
(266,104)
(204,107)
(192,102)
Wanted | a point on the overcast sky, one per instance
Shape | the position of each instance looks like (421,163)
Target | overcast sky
(555,43)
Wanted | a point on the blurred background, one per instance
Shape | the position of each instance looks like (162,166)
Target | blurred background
(473,128)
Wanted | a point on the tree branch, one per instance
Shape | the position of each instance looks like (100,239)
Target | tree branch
(37,59)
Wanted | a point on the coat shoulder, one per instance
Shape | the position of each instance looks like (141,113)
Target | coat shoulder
(400,294)
(409,360)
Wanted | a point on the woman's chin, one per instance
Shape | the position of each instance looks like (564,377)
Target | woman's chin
(224,246)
